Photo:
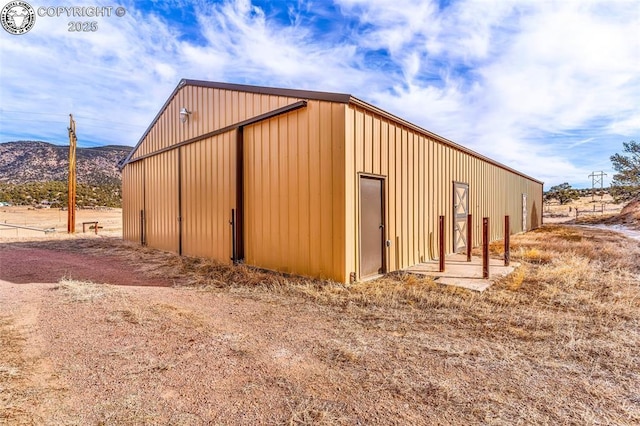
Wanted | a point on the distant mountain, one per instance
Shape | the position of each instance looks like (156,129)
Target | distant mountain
(34,161)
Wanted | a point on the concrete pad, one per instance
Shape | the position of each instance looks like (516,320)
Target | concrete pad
(474,284)
(460,273)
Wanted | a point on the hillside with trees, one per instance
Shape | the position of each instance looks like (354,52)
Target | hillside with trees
(35,173)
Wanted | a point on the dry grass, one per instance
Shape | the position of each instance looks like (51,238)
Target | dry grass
(629,217)
(554,343)
(82,291)
(12,375)
(590,208)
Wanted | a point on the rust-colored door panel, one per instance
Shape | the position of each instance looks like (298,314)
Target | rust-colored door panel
(371,226)
(460,212)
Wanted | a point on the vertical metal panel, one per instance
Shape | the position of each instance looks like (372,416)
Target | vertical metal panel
(368,142)
(292,189)
(132,200)
(306,188)
(161,201)
(420,195)
(430,199)
(350,235)
(281,133)
(271,184)
(376,141)
(327,189)
(402,166)
(393,216)
(304,193)
(208,188)
(358,160)
(411,207)
(338,172)
(313,138)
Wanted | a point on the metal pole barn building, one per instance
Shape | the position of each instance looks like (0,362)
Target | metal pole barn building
(310,183)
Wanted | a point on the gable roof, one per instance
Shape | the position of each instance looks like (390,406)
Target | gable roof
(343,98)
(263,90)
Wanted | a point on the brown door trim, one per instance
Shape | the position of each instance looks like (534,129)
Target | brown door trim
(382,226)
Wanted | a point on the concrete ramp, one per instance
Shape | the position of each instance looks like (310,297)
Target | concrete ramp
(460,273)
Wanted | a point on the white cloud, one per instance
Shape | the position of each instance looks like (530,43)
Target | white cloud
(531,69)
(498,77)
(115,76)
(258,50)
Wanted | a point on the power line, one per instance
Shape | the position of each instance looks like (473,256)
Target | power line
(597,178)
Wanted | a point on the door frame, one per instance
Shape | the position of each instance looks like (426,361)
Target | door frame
(454,221)
(383,212)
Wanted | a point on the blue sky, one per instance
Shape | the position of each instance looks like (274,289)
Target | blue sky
(551,88)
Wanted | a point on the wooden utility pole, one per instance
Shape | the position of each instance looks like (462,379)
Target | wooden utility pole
(71,217)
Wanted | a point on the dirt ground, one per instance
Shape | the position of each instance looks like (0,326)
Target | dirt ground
(589,206)
(97,353)
(97,331)
(109,222)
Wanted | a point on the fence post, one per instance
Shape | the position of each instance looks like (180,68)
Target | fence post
(469,237)
(507,236)
(441,242)
(485,247)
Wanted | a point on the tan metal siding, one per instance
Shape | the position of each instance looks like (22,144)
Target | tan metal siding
(132,200)
(207,175)
(211,109)
(208,195)
(161,201)
(419,174)
(294,192)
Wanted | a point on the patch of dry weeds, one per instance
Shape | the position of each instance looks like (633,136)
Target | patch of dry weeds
(82,291)
(14,398)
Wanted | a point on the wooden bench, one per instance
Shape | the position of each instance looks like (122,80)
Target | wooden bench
(94,223)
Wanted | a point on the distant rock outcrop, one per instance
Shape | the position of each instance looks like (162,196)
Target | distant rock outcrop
(35,161)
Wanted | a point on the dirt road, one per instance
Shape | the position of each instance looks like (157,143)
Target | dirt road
(22,265)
